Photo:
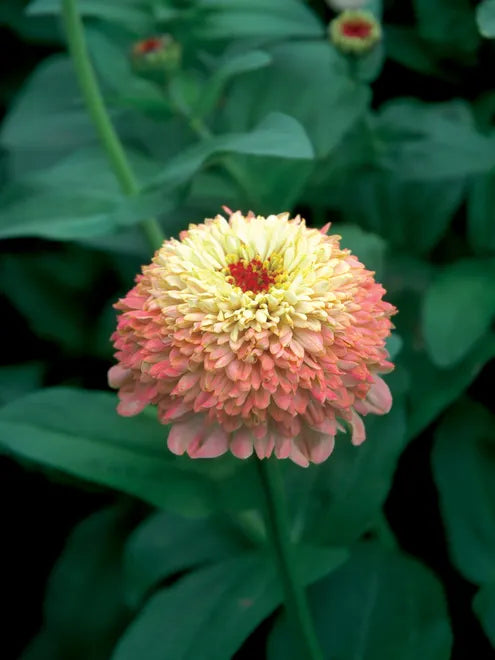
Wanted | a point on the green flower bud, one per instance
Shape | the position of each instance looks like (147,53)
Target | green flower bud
(355,32)
(159,53)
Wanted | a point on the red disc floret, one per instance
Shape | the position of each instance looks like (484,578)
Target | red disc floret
(251,275)
(357,28)
(149,45)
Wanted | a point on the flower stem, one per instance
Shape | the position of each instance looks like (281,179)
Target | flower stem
(277,523)
(100,117)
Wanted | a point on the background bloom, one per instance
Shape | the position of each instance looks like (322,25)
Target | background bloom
(256,334)
(355,31)
(157,53)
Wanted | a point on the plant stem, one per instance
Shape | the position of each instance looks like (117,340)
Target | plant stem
(100,117)
(277,523)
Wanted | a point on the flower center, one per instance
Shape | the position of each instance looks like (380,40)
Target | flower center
(253,275)
(356,28)
(149,45)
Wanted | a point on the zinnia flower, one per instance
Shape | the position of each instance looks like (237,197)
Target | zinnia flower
(355,31)
(254,333)
(160,52)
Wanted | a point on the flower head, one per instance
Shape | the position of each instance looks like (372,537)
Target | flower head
(254,334)
(160,52)
(355,32)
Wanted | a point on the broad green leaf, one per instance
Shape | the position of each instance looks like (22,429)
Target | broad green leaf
(43,29)
(458,309)
(164,545)
(278,135)
(65,214)
(430,389)
(57,203)
(210,612)
(369,248)
(404,45)
(485,17)
(431,141)
(47,119)
(79,432)
(464,470)
(271,19)
(326,103)
(231,65)
(19,379)
(412,215)
(481,213)
(380,605)
(84,612)
(53,307)
(433,389)
(336,502)
(448,22)
(484,608)
(131,13)
(394,345)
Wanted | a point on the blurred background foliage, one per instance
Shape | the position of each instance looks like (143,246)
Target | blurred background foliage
(397,149)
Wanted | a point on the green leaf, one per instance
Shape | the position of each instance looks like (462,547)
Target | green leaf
(485,18)
(307,80)
(458,309)
(131,13)
(84,612)
(431,141)
(47,119)
(448,22)
(231,65)
(210,612)
(412,215)
(432,389)
(43,29)
(380,605)
(369,248)
(165,544)
(79,432)
(278,135)
(56,203)
(270,19)
(484,607)
(19,379)
(404,45)
(481,215)
(52,306)
(464,470)
(336,502)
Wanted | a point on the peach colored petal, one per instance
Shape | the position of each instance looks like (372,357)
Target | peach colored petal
(242,443)
(213,442)
(358,430)
(272,361)
(118,375)
(379,398)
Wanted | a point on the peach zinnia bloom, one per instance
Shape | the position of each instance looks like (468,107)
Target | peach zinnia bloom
(254,333)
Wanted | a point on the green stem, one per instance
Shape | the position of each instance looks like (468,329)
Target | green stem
(278,529)
(99,115)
